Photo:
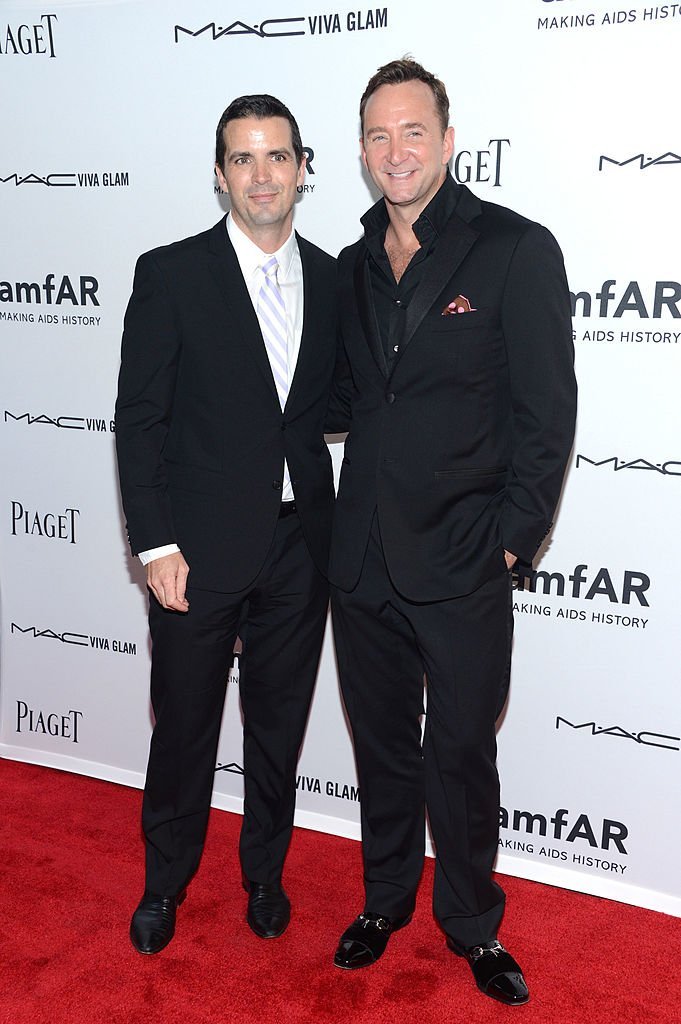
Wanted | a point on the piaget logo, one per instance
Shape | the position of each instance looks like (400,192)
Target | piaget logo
(63,725)
(49,525)
(29,40)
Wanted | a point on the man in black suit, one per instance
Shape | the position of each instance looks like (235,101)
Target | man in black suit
(227,358)
(456,379)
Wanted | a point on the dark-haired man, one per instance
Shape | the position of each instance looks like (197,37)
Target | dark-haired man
(459,386)
(227,358)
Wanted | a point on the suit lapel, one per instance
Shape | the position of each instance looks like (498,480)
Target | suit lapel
(452,248)
(238,306)
(311,295)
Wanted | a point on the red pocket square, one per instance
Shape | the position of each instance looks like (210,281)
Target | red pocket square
(458,305)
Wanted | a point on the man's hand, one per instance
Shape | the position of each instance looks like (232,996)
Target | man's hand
(167,580)
(510,559)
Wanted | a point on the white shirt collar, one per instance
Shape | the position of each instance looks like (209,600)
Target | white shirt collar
(251,257)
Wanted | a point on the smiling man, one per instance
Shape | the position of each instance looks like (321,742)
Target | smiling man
(455,377)
(227,488)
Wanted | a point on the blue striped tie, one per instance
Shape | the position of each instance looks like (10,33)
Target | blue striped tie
(272,317)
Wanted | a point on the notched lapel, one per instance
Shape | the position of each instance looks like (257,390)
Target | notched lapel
(239,312)
(451,250)
(365,308)
(312,289)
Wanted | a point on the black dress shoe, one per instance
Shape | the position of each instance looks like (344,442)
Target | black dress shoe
(269,910)
(365,940)
(153,923)
(495,971)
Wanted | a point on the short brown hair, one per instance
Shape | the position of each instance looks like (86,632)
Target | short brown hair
(408,70)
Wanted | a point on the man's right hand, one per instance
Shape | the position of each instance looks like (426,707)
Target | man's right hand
(167,580)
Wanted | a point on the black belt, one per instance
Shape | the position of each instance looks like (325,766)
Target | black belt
(287,508)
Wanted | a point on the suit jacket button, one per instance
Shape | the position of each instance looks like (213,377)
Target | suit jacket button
(390,397)
(276,484)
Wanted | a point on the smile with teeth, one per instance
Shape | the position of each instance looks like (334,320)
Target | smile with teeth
(399,174)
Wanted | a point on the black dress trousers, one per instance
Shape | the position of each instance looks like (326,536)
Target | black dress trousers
(385,646)
(285,614)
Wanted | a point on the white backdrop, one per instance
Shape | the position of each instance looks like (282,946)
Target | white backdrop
(563,111)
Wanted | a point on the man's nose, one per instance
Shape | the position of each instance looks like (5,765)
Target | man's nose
(261,171)
(396,151)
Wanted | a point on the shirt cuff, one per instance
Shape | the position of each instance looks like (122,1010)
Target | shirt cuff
(148,556)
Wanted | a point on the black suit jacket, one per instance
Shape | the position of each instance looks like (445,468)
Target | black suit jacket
(200,435)
(463,446)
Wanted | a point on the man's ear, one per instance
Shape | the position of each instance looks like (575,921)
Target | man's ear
(221,178)
(363,152)
(448,145)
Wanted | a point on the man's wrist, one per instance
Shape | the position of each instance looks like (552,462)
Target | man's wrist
(151,553)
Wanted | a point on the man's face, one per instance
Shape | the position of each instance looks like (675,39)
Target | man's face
(403,147)
(260,174)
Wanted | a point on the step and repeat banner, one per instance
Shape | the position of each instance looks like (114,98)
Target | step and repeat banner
(562,110)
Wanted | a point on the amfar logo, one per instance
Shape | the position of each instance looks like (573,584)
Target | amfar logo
(473,165)
(610,833)
(643,738)
(277,28)
(598,583)
(644,162)
(666,296)
(29,40)
(46,524)
(62,422)
(70,179)
(51,723)
(669,468)
(31,291)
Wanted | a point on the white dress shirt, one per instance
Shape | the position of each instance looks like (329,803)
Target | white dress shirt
(290,278)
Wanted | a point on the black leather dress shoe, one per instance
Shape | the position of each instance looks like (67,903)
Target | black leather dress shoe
(269,910)
(495,971)
(365,940)
(153,923)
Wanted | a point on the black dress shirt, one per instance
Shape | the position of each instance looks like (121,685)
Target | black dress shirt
(391,298)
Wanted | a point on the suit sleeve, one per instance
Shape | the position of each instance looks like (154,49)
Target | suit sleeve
(537,325)
(338,413)
(150,354)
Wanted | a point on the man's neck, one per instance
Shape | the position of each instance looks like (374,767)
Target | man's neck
(402,219)
(269,238)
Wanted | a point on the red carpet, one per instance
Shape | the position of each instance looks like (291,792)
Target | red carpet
(71,874)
